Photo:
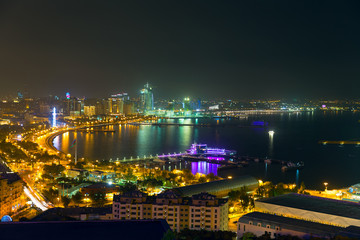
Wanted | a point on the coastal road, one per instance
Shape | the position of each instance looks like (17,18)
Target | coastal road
(36,199)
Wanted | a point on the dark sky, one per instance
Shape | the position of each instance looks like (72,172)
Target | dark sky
(235,49)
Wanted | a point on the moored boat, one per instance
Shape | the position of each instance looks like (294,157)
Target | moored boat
(292,166)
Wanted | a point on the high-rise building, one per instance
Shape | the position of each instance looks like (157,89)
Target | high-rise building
(147,98)
(129,107)
(186,104)
(80,105)
(116,103)
(201,211)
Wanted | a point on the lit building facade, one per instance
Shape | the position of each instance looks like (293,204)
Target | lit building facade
(73,106)
(89,110)
(11,193)
(201,211)
(116,103)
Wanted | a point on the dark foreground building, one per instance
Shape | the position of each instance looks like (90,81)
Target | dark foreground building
(78,213)
(89,230)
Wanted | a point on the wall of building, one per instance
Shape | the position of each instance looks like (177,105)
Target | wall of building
(179,214)
(11,197)
(260,229)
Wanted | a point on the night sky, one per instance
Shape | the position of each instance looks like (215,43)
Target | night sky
(231,49)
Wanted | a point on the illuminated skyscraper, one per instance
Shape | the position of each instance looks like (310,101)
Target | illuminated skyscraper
(186,104)
(116,103)
(147,98)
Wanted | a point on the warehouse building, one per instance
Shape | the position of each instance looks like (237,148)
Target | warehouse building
(219,188)
(263,223)
(311,208)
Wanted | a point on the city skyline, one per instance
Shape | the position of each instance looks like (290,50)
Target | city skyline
(233,49)
(179,119)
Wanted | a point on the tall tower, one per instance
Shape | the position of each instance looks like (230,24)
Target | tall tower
(186,104)
(147,98)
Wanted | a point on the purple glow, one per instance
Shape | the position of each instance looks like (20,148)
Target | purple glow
(204,167)
(259,123)
(216,158)
(323,106)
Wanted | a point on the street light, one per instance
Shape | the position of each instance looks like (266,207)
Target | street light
(260,182)
(326,184)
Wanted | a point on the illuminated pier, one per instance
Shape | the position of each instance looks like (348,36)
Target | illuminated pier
(340,142)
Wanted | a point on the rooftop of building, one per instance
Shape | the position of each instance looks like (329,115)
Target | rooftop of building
(220,185)
(3,167)
(289,223)
(170,195)
(204,196)
(11,177)
(316,204)
(135,194)
(90,230)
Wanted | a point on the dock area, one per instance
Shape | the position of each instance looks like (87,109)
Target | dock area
(193,124)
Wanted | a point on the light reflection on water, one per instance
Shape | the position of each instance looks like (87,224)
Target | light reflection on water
(296,139)
(128,141)
(195,167)
(204,167)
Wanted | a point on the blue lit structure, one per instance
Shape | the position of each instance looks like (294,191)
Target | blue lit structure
(6,218)
(54,117)
(259,123)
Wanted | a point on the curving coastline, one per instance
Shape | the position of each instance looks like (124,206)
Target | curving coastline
(50,139)
(48,142)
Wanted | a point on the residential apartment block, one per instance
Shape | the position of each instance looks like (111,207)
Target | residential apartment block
(201,211)
(11,193)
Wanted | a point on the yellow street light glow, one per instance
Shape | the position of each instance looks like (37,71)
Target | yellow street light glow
(271,133)
(326,184)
